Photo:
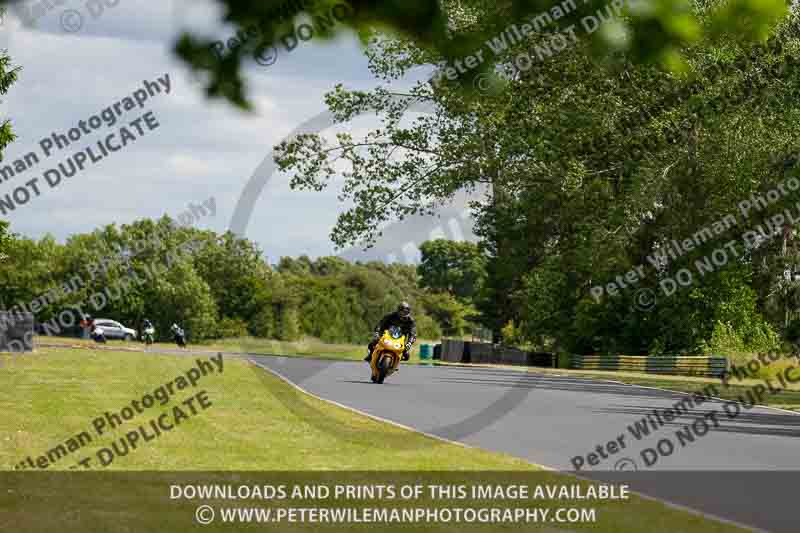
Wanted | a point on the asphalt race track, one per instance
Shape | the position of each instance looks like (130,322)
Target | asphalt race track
(743,467)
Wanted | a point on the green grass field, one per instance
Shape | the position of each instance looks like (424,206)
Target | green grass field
(54,394)
(304,347)
(255,422)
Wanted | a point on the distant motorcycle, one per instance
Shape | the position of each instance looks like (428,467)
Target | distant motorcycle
(180,337)
(98,335)
(149,335)
(387,353)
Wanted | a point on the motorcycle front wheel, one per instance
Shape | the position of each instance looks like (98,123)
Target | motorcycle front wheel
(384,365)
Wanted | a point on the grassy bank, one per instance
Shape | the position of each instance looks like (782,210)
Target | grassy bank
(254,422)
(252,345)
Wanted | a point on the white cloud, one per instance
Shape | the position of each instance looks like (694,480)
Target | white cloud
(200,149)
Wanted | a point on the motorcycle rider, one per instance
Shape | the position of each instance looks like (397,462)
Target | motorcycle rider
(97,333)
(401,318)
(180,338)
(148,329)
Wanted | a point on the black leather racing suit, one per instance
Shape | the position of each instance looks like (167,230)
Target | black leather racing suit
(406,324)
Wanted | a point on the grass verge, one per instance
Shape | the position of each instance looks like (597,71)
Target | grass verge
(54,394)
(309,347)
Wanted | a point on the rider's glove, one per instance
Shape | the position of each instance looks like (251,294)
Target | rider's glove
(405,356)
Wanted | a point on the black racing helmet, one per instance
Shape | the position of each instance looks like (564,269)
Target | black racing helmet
(404,309)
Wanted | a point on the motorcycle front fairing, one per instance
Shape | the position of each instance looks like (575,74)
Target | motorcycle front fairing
(392,341)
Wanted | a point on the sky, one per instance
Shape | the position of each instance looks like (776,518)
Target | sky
(81,57)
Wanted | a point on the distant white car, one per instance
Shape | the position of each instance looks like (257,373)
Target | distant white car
(114,330)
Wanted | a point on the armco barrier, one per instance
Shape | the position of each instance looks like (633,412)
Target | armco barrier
(667,364)
(458,351)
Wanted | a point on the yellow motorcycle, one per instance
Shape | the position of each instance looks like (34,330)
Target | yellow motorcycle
(387,353)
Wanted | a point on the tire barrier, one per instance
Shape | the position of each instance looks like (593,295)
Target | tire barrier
(681,365)
(458,351)
(453,351)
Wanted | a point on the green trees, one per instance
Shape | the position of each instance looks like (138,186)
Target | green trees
(454,273)
(448,30)
(341,302)
(182,296)
(452,315)
(458,268)
(234,271)
(8,75)
(213,285)
(5,240)
(590,165)
(584,167)
(27,268)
